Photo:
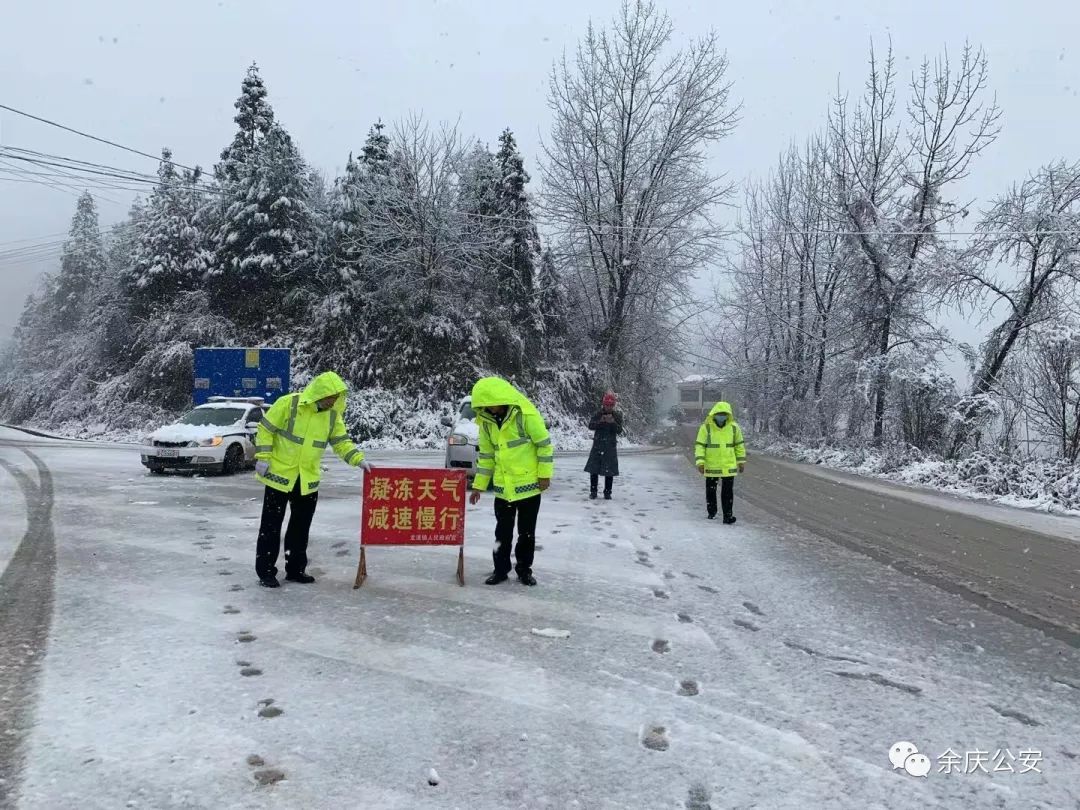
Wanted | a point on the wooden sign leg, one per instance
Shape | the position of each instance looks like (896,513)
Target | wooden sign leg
(361,569)
(461,567)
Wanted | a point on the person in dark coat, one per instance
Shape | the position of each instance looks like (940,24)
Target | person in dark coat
(606,424)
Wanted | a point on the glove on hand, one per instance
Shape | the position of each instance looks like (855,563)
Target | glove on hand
(365,465)
(262,467)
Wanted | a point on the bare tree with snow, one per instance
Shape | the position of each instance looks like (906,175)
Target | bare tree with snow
(627,188)
(893,174)
(1035,230)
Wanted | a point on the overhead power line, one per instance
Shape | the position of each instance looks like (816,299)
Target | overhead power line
(106,141)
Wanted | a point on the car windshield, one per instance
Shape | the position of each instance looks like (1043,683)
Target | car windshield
(218,417)
(467,411)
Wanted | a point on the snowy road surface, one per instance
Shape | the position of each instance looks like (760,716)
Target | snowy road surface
(759,665)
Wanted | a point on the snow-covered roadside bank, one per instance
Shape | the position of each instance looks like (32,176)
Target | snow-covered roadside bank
(1042,485)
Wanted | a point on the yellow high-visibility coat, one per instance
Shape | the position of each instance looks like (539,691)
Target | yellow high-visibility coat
(514,456)
(720,449)
(294,434)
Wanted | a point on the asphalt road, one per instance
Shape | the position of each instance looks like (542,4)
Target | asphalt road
(1028,576)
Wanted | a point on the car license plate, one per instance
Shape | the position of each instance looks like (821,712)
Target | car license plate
(168,452)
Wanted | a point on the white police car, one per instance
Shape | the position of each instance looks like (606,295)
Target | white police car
(461,444)
(216,437)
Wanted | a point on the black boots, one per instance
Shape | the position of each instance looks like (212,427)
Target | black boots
(496,578)
(269,582)
(592,495)
(303,579)
(607,496)
(729,519)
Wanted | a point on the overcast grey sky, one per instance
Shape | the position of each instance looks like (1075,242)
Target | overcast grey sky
(148,75)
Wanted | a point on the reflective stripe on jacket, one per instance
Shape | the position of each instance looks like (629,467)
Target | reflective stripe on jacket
(294,433)
(720,449)
(514,456)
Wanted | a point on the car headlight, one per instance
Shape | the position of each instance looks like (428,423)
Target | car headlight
(214,442)
(457,439)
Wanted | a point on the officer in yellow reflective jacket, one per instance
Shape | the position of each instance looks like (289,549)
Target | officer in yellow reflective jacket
(720,453)
(289,446)
(515,458)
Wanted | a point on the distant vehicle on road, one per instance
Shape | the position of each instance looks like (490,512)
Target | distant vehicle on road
(216,437)
(463,438)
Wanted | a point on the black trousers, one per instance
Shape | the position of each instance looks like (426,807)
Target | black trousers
(594,481)
(727,494)
(524,513)
(302,510)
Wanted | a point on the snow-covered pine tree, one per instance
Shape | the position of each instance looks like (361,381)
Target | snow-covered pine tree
(82,263)
(265,240)
(520,245)
(552,304)
(254,118)
(169,254)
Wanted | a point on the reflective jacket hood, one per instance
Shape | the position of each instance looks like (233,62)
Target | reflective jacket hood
(327,384)
(722,407)
(489,391)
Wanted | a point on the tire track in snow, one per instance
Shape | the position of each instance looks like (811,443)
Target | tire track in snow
(26,606)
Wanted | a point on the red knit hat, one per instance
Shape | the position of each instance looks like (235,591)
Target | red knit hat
(609,400)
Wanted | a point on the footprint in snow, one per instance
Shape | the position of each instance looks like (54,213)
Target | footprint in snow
(230,610)
(708,589)
(661,646)
(698,798)
(343,553)
(224,573)
(669,575)
(270,712)
(684,618)
(245,638)
(269,776)
(609,545)
(689,688)
(223,559)
(539,547)
(691,576)
(250,672)
(342,544)
(236,587)
(659,594)
(753,608)
(655,738)
(255,761)
(745,625)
